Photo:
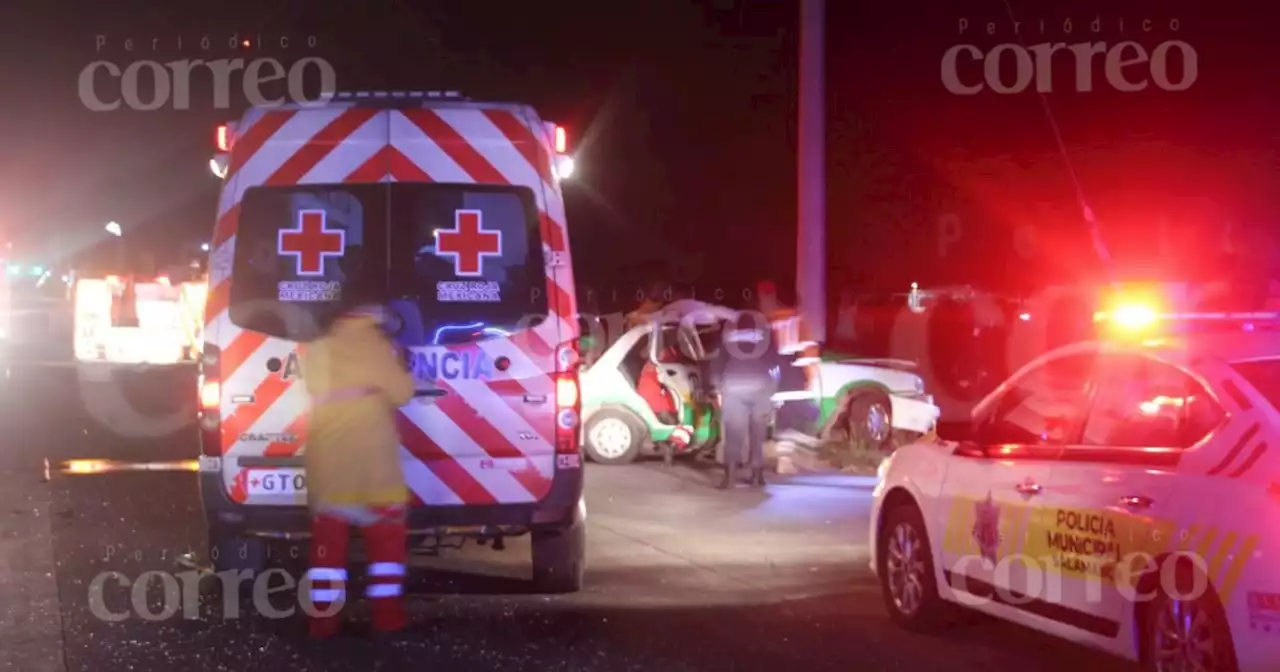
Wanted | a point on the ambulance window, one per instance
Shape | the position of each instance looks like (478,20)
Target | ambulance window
(1145,403)
(295,248)
(467,259)
(1046,406)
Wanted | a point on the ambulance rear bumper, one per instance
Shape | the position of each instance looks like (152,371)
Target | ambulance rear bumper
(559,509)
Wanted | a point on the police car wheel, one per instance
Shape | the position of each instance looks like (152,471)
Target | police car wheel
(559,559)
(905,565)
(1188,631)
(613,437)
(869,420)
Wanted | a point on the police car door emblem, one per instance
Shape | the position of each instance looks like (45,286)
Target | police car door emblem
(986,529)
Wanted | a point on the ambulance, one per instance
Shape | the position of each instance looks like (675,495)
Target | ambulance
(455,207)
(1119,493)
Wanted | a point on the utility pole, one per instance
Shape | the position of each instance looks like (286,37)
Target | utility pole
(811,229)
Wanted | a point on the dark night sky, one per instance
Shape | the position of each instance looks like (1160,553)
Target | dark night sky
(685,115)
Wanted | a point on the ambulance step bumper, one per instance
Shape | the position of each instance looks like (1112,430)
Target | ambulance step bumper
(558,509)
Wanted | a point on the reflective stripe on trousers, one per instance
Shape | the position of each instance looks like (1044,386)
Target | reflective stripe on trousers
(384,533)
(385,579)
(328,586)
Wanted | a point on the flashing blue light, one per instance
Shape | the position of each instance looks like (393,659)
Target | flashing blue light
(15,269)
(467,328)
(37,270)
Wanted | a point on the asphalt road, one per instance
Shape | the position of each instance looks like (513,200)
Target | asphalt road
(682,577)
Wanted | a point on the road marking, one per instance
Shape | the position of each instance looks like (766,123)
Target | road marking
(32,638)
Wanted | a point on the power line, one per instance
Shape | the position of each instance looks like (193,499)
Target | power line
(1095,230)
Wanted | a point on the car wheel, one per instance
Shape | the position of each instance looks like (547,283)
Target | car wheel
(560,559)
(613,437)
(905,565)
(1188,632)
(869,419)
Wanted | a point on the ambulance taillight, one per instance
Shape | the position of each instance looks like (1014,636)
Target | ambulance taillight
(210,391)
(210,395)
(562,140)
(568,400)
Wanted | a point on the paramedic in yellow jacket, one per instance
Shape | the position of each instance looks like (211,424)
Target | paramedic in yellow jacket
(356,381)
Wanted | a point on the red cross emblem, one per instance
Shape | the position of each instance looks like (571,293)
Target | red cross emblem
(468,243)
(311,243)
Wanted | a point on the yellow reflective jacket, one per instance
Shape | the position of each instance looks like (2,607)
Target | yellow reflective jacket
(356,382)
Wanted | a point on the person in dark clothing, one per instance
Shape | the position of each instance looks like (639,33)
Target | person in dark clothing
(745,373)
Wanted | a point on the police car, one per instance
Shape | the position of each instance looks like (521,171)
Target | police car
(455,206)
(1122,494)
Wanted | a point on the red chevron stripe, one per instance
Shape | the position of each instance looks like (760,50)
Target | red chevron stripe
(372,170)
(299,429)
(239,351)
(552,233)
(491,441)
(403,169)
(253,139)
(320,145)
(226,226)
(473,423)
(244,416)
(524,141)
(456,146)
(219,299)
(442,464)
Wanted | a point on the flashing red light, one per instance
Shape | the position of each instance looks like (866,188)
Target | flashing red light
(1130,317)
(224,138)
(562,140)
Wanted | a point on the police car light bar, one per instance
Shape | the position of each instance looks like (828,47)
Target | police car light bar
(1261,316)
(1137,318)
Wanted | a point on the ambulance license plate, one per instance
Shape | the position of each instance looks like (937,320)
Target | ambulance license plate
(277,482)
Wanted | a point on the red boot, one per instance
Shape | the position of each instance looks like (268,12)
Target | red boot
(385,576)
(328,575)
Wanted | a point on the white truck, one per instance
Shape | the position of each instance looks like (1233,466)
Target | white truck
(121,320)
